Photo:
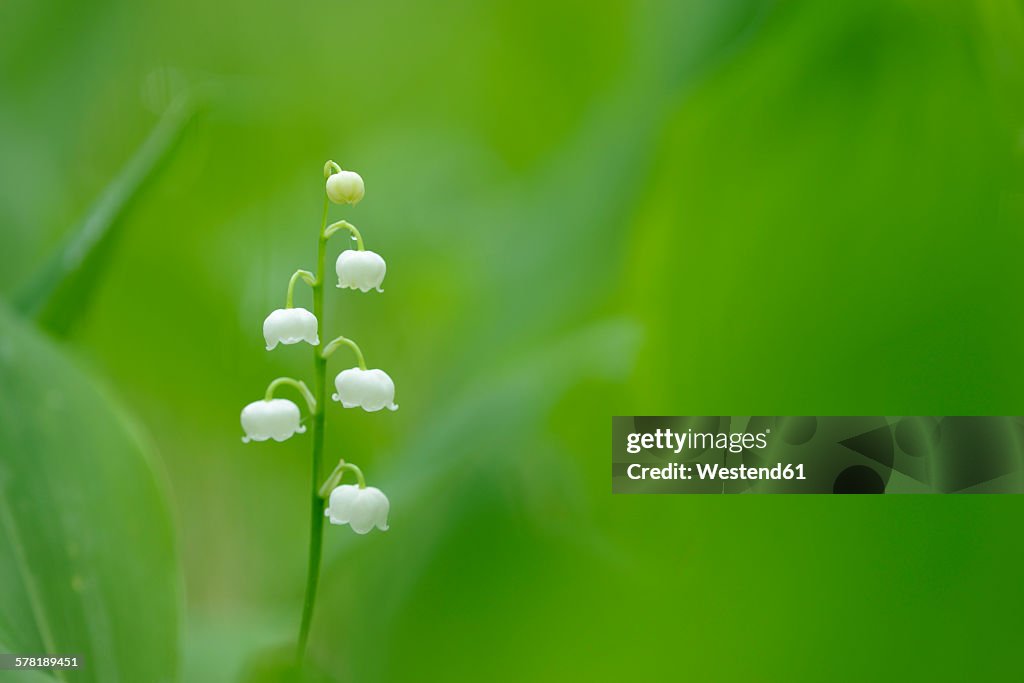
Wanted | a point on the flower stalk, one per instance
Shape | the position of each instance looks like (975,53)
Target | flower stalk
(316,512)
(345,225)
(334,478)
(298,384)
(306,276)
(333,345)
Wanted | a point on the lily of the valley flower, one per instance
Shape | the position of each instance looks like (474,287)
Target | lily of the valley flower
(361,508)
(290,326)
(362,270)
(370,390)
(345,187)
(275,419)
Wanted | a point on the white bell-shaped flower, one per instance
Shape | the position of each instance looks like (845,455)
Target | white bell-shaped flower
(370,390)
(361,508)
(275,419)
(290,326)
(345,187)
(362,270)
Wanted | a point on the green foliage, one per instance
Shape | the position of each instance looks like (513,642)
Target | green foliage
(87,553)
(702,206)
(59,294)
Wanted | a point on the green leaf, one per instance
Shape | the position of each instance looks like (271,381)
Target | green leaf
(59,293)
(88,562)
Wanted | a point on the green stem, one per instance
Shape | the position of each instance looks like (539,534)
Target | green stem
(345,225)
(345,341)
(316,519)
(298,384)
(330,168)
(334,479)
(306,276)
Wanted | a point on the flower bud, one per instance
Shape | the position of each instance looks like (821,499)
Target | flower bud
(362,270)
(361,508)
(345,187)
(370,390)
(290,326)
(275,419)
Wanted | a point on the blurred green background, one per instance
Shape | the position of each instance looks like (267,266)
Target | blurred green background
(587,209)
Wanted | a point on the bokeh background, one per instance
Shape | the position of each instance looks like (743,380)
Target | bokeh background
(587,209)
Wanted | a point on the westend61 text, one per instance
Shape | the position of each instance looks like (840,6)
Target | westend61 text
(705,471)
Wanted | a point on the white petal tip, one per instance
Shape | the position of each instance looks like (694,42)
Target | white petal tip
(301,430)
(393,407)
(246,439)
